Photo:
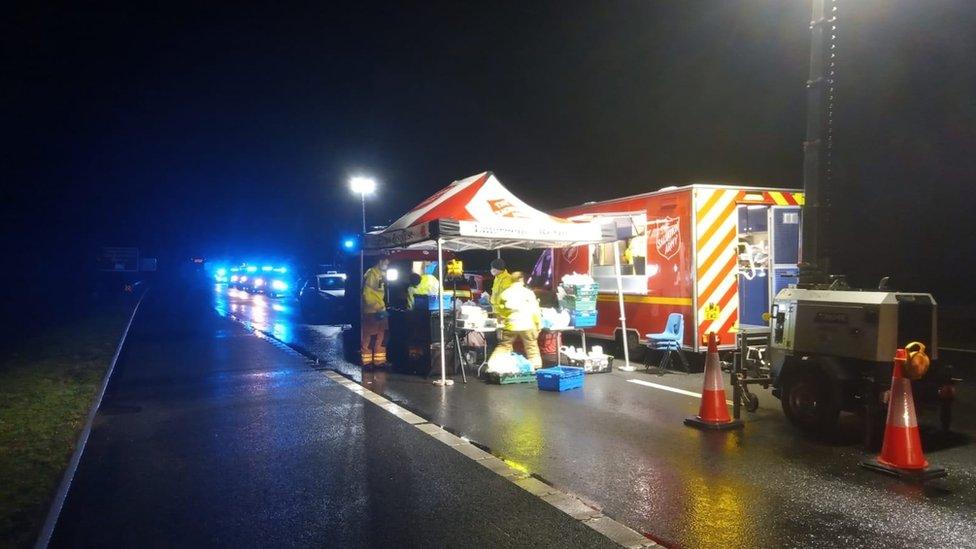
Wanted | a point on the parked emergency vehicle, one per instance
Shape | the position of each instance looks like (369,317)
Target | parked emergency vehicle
(717,254)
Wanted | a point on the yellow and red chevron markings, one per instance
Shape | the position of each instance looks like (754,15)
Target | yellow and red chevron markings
(716,230)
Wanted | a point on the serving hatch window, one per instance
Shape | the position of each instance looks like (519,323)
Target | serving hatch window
(632,254)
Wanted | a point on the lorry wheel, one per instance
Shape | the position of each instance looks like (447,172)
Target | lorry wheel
(809,401)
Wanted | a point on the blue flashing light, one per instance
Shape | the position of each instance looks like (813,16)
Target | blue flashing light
(281,270)
(252,269)
(267,268)
(221,272)
(349,243)
(279,285)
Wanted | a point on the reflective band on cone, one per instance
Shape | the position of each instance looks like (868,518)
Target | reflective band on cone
(714,412)
(902,444)
(901,451)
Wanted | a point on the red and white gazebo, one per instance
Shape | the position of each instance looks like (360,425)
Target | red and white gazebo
(479,213)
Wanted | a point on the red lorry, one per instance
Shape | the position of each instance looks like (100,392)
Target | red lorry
(717,254)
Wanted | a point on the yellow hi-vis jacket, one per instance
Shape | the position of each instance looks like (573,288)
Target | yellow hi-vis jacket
(502,281)
(374,288)
(521,308)
(428,286)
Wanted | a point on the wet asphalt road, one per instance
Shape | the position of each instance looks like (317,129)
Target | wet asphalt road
(212,436)
(622,447)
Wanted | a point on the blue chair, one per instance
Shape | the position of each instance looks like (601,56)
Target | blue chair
(669,342)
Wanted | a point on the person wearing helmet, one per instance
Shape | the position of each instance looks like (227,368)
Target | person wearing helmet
(503,279)
(374,316)
(425,284)
(523,320)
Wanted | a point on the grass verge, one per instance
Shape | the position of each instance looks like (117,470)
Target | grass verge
(47,385)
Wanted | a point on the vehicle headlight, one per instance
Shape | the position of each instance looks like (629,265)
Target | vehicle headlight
(233,278)
(259,282)
(279,285)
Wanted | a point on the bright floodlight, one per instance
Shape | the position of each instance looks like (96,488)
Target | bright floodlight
(392,275)
(362,185)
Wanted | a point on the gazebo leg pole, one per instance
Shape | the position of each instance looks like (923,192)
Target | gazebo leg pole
(620,299)
(443,381)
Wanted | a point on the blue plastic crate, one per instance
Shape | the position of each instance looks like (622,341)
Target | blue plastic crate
(559,378)
(583,319)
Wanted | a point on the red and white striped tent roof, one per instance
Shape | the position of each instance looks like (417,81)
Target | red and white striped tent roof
(479,213)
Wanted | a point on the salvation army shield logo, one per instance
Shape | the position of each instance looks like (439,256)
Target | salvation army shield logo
(570,254)
(668,236)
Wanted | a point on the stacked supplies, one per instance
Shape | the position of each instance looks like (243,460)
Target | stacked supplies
(577,294)
(592,362)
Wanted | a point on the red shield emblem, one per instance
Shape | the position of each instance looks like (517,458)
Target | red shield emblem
(667,236)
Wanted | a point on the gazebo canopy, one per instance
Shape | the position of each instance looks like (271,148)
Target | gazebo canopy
(479,213)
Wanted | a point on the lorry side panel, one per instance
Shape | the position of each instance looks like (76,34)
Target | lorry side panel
(691,260)
(668,266)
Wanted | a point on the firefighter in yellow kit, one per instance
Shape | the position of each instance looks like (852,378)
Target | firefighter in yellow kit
(375,321)
(503,279)
(522,320)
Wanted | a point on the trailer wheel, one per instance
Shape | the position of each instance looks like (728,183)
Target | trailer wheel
(752,402)
(809,400)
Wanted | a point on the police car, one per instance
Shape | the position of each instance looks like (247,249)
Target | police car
(268,280)
(322,297)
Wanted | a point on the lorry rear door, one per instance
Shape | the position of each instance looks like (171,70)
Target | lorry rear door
(768,253)
(753,262)
(786,246)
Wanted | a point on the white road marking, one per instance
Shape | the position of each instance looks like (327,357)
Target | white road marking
(565,502)
(671,389)
(664,387)
(54,512)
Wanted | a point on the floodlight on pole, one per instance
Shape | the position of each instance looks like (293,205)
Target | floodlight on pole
(363,186)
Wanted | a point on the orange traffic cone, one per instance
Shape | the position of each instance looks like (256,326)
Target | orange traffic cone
(714,412)
(901,452)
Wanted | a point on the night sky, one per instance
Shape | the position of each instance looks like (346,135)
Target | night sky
(232,130)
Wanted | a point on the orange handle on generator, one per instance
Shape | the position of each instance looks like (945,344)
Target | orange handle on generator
(918,362)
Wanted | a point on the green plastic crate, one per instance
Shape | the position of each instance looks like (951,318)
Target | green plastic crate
(584,289)
(575,303)
(507,379)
